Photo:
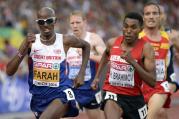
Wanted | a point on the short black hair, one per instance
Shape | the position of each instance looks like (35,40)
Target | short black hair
(135,15)
(152,3)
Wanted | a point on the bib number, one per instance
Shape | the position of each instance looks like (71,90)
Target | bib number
(110,95)
(69,94)
(143,112)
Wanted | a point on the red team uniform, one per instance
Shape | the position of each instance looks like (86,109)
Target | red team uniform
(123,84)
(120,70)
(161,49)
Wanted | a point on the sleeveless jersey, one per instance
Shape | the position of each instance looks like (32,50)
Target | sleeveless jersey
(122,78)
(74,59)
(161,49)
(47,67)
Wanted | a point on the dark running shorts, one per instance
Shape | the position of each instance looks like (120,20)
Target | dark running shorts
(89,99)
(133,107)
(66,96)
(170,70)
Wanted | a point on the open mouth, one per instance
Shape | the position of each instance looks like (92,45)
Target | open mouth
(151,22)
(46,30)
(127,37)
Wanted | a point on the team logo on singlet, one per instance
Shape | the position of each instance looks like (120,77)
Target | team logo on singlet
(57,51)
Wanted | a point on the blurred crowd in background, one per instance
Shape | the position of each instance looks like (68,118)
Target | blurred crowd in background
(17,18)
(104,16)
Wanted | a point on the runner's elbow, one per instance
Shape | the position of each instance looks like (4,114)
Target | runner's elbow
(86,46)
(9,72)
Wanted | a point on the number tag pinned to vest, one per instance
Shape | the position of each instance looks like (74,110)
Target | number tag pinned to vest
(69,93)
(98,97)
(110,95)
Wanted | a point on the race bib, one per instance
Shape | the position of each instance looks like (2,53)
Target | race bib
(46,77)
(160,69)
(121,75)
(173,77)
(110,95)
(98,97)
(74,70)
(165,86)
(69,94)
(143,112)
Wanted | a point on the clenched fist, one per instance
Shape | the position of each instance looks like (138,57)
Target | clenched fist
(29,39)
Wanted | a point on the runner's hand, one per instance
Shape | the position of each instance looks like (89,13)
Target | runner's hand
(78,81)
(127,56)
(94,84)
(26,44)
(29,39)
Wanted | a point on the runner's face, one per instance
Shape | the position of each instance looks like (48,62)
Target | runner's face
(47,28)
(77,24)
(131,29)
(151,16)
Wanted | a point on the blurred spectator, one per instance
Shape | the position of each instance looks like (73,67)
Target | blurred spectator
(107,14)
(9,49)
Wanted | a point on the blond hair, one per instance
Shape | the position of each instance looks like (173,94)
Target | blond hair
(77,13)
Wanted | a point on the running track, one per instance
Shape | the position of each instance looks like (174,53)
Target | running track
(173,112)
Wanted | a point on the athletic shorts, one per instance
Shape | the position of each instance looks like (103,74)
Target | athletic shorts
(89,99)
(170,68)
(66,95)
(171,76)
(160,88)
(133,107)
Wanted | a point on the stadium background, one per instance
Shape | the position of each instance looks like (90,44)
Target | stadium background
(17,17)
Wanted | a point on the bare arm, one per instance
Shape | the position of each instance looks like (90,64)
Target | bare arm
(97,47)
(14,63)
(147,73)
(72,41)
(103,62)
